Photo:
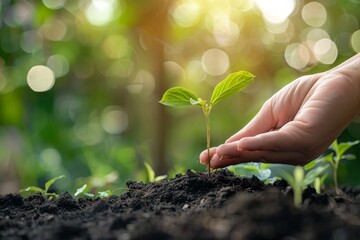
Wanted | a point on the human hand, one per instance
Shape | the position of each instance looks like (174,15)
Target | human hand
(298,123)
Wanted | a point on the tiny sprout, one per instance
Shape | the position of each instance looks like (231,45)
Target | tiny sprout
(299,181)
(44,192)
(82,191)
(182,97)
(151,174)
(334,160)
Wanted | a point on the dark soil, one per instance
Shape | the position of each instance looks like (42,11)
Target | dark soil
(190,206)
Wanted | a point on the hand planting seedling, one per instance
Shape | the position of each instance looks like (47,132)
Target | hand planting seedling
(182,97)
(299,180)
(44,192)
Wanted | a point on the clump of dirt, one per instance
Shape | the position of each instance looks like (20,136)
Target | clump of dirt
(189,206)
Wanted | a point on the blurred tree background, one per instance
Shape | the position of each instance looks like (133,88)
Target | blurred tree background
(113,59)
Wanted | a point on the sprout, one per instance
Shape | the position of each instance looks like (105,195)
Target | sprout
(44,192)
(182,97)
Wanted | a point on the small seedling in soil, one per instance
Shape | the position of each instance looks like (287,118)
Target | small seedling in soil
(260,170)
(151,174)
(182,97)
(44,192)
(299,181)
(82,192)
(334,160)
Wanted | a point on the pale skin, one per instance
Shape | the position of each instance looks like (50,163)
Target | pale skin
(298,123)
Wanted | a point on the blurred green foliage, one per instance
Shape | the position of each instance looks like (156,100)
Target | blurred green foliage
(113,59)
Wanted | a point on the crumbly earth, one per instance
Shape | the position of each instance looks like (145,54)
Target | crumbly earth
(189,206)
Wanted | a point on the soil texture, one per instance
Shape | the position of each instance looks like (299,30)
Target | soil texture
(189,206)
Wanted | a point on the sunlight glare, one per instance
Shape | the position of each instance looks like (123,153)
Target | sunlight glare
(101,12)
(276,11)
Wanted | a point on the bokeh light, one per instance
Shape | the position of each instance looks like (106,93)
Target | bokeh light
(186,13)
(40,78)
(59,64)
(215,62)
(297,56)
(19,14)
(226,32)
(50,159)
(314,14)
(195,71)
(31,41)
(54,30)
(114,120)
(355,41)
(115,46)
(325,51)
(54,4)
(144,83)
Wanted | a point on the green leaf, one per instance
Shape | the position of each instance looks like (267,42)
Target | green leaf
(51,196)
(310,165)
(289,178)
(159,178)
(80,190)
(178,97)
(348,157)
(343,147)
(313,174)
(89,195)
(230,85)
(198,102)
(104,194)
(329,158)
(51,182)
(32,189)
(264,166)
(150,172)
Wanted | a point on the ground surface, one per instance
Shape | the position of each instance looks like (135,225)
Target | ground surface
(190,206)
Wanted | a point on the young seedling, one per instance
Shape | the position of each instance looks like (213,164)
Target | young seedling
(299,181)
(182,97)
(44,192)
(151,174)
(83,192)
(334,160)
(260,170)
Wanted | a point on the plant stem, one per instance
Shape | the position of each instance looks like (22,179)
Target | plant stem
(206,109)
(336,165)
